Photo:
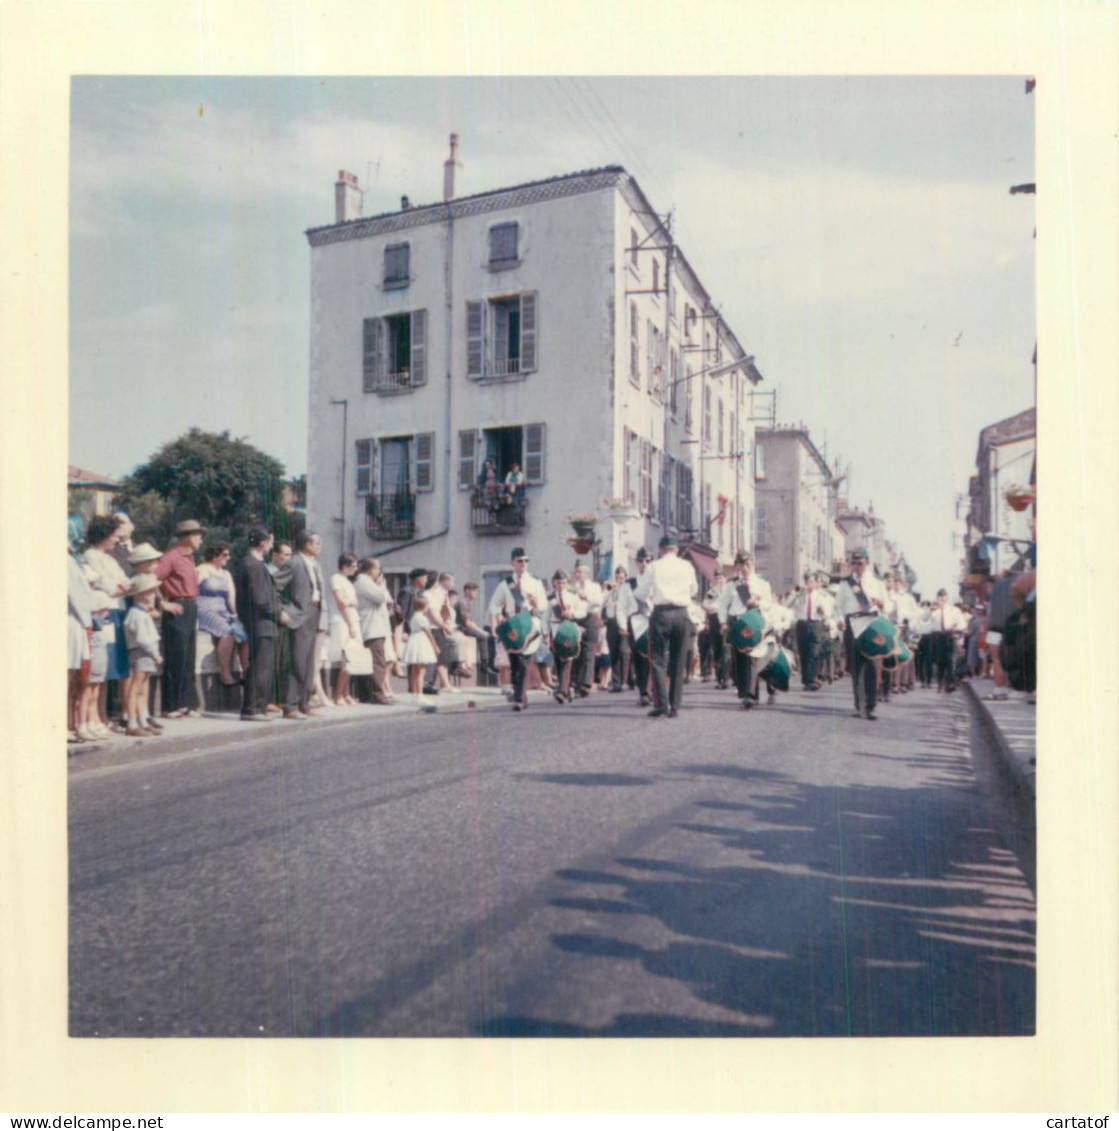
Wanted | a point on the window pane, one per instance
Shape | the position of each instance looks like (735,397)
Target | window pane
(503,242)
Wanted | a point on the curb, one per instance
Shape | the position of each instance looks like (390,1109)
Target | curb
(234,732)
(1023,778)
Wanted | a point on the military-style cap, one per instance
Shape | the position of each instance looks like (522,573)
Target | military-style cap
(860,555)
(667,541)
(517,552)
(742,557)
(642,554)
(560,575)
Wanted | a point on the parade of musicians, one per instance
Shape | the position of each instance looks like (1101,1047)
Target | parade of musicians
(613,645)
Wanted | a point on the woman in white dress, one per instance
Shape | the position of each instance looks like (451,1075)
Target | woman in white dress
(345,628)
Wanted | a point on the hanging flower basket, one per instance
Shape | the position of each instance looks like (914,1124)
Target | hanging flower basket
(1020,498)
(582,545)
(583,523)
(619,510)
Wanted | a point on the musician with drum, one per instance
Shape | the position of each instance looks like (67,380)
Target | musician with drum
(859,603)
(566,613)
(515,611)
(634,609)
(745,592)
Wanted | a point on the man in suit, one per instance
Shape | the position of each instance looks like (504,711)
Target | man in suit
(302,594)
(259,611)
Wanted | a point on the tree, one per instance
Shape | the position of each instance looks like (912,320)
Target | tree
(226,484)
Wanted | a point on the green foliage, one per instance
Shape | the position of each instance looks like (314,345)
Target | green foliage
(224,483)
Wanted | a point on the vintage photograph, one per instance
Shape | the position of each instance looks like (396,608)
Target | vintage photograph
(552,556)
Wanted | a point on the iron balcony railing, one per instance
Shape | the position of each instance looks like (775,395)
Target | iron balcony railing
(496,514)
(391,517)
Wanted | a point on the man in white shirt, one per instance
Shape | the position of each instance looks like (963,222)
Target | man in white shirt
(672,586)
(716,646)
(746,590)
(811,606)
(520,590)
(860,593)
(906,615)
(584,586)
(636,608)
(614,608)
(945,621)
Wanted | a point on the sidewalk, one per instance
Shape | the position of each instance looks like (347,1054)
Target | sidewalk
(1012,724)
(215,728)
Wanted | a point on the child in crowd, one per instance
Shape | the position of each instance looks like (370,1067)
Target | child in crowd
(144,656)
(420,650)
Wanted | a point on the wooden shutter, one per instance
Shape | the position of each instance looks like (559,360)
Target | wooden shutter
(645,476)
(364,466)
(474,342)
(372,353)
(419,347)
(424,461)
(528,332)
(467,459)
(627,486)
(534,453)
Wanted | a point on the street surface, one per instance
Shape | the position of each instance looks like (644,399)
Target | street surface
(569,871)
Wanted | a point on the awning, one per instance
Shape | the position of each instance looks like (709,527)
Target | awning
(704,559)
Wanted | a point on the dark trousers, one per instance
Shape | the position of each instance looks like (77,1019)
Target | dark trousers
(808,649)
(943,649)
(670,633)
(179,634)
(301,663)
(518,672)
(640,664)
(742,671)
(720,658)
(584,662)
(618,643)
(257,692)
(864,674)
(377,654)
(922,660)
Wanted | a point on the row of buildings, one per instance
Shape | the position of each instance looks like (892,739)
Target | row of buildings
(557,328)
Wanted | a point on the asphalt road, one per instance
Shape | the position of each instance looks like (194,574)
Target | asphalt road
(578,871)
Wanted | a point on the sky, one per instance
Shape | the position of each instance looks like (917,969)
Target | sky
(857,234)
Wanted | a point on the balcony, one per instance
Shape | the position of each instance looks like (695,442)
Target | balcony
(391,518)
(495,515)
(391,382)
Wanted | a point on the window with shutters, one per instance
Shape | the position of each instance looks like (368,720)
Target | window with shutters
(656,276)
(654,340)
(655,483)
(502,336)
(364,466)
(397,263)
(722,429)
(759,461)
(394,352)
(689,412)
(503,245)
(668,492)
(627,480)
(708,514)
(634,346)
(685,515)
(634,243)
(633,466)
(399,467)
(707,416)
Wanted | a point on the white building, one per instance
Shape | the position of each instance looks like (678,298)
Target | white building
(552,325)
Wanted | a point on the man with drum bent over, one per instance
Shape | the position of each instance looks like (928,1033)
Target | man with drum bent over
(519,592)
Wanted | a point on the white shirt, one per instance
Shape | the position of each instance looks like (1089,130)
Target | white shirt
(574,607)
(627,603)
(672,581)
(813,605)
(847,602)
(504,603)
(730,605)
(907,608)
(946,618)
(592,595)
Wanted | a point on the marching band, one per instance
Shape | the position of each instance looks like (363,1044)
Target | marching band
(649,624)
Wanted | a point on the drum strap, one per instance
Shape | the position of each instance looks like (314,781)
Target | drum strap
(860,595)
(743,592)
(518,597)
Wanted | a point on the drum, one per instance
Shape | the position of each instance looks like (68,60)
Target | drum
(747,631)
(779,670)
(566,640)
(520,633)
(875,639)
(899,655)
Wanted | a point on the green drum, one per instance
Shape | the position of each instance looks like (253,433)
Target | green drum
(747,631)
(566,641)
(516,632)
(778,670)
(877,639)
(899,655)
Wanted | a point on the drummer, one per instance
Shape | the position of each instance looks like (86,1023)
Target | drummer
(634,608)
(746,590)
(592,597)
(565,606)
(860,592)
(811,606)
(518,591)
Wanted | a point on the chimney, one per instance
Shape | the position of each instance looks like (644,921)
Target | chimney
(347,198)
(405,204)
(449,167)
